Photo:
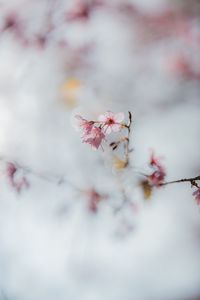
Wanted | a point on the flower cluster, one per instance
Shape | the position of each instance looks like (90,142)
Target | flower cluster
(157,177)
(94,132)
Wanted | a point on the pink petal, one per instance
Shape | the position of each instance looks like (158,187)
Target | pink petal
(94,138)
(77,122)
(116,127)
(119,117)
(109,114)
(102,118)
(107,130)
(78,117)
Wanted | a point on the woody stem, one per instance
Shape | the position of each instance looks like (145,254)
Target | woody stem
(127,149)
(191,180)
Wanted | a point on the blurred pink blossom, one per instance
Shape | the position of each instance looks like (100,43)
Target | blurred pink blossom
(17,184)
(158,176)
(94,198)
(82,10)
(196,194)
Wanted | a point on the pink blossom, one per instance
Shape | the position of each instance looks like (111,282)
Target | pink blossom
(180,65)
(80,12)
(82,9)
(196,194)
(94,198)
(85,125)
(158,176)
(11,170)
(22,183)
(154,161)
(17,184)
(111,121)
(92,134)
(94,137)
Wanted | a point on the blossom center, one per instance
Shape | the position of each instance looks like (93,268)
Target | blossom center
(110,121)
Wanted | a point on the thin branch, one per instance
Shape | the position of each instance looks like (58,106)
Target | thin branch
(51,178)
(191,180)
(127,148)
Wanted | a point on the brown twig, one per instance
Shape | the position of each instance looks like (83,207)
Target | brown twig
(191,180)
(127,148)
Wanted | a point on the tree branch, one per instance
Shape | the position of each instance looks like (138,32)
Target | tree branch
(191,180)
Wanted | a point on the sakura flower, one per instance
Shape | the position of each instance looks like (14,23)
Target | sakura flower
(158,176)
(83,124)
(154,160)
(111,122)
(22,183)
(94,137)
(11,170)
(92,134)
(179,65)
(196,194)
(81,10)
(17,184)
(94,198)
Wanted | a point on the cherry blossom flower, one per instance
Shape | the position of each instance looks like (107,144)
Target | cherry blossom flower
(82,10)
(10,171)
(94,198)
(94,138)
(85,125)
(179,65)
(196,194)
(111,122)
(17,184)
(22,183)
(158,176)
(92,134)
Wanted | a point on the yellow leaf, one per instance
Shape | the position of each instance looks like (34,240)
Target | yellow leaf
(146,188)
(119,163)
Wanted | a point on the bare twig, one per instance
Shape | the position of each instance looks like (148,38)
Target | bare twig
(127,144)
(51,178)
(191,180)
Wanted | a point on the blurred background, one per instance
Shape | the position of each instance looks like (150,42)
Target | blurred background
(59,58)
